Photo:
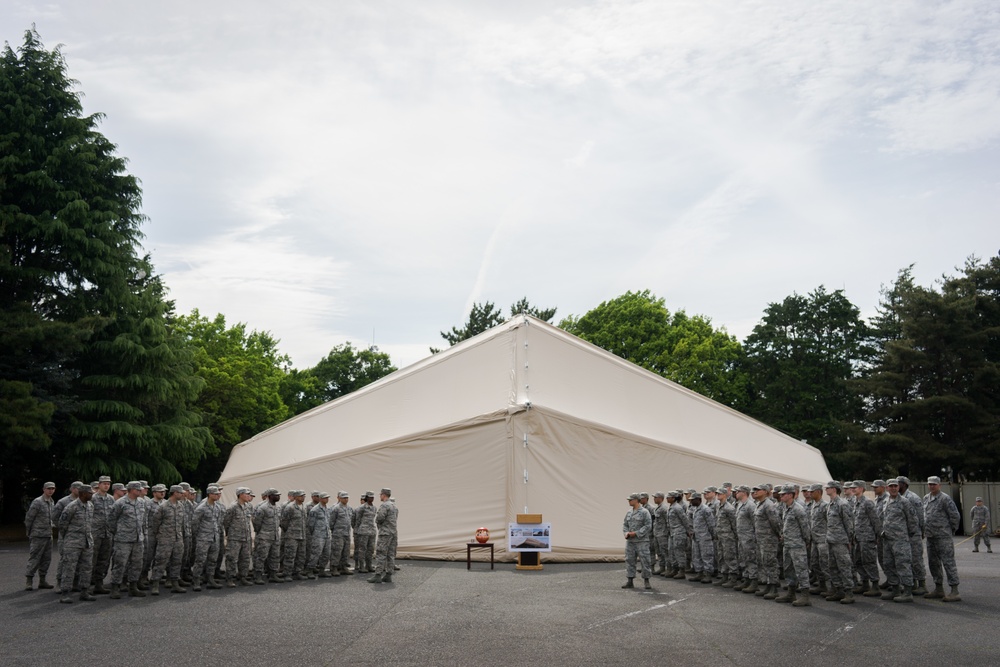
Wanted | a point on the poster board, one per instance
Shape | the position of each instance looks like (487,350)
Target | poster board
(529,537)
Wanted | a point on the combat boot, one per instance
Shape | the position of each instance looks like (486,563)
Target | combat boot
(212,583)
(369,567)
(679,574)
(247,581)
(730,581)
(762,589)
(259,579)
(196,584)
(230,582)
(387,578)
(99,589)
(116,592)
(885,585)
(905,596)
(817,588)
(28,586)
(706,578)
(346,570)
(274,579)
(175,587)
(85,596)
(937,593)
(872,591)
(751,587)
(42,584)
(740,584)
(771,593)
(310,574)
(646,584)
(334,572)
(802,600)
(133,590)
(848,597)
(836,595)
(787,596)
(859,587)
(720,579)
(323,574)
(952,595)
(890,593)
(658,570)
(358,567)
(920,588)
(66,599)
(975,550)
(377,579)
(143,584)
(628,584)
(155,590)
(696,576)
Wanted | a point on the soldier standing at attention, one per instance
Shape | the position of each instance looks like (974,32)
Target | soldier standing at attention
(767,530)
(150,506)
(916,542)
(267,548)
(878,486)
(127,525)
(364,533)
(238,523)
(839,536)
(795,537)
(941,519)
(318,527)
(637,527)
(703,541)
(38,525)
(293,536)
(980,519)
(167,526)
(207,541)
(117,491)
(661,534)
(385,546)
(867,527)
(102,502)
(341,518)
(747,537)
(820,561)
(898,524)
(680,528)
(75,525)
(188,503)
(74,492)
(725,529)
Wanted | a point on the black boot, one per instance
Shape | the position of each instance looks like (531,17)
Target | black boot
(628,584)
(116,592)
(646,584)
(133,590)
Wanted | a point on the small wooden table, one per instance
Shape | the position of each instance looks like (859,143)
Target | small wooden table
(477,545)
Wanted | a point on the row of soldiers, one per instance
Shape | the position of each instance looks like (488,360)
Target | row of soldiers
(827,539)
(152,535)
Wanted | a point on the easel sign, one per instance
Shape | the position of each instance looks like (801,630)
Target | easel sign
(528,538)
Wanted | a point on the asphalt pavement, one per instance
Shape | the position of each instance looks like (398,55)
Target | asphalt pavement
(438,613)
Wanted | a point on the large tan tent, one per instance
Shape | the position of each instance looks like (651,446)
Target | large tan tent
(521,418)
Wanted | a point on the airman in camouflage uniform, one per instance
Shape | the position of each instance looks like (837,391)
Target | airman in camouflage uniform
(293,536)
(75,525)
(102,502)
(385,546)
(38,526)
(364,533)
(188,502)
(819,561)
(637,527)
(127,523)
(661,533)
(916,542)
(238,522)
(796,532)
(867,527)
(899,522)
(979,518)
(74,491)
(150,506)
(341,518)
(703,541)
(839,535)
(941,519)
(318,526)
(267,542)
(878,486)
(206,524)
(767,529)
(680,530)
(167,527)
(747,540)
(725,530)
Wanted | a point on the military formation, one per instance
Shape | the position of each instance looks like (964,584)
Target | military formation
(132,539)
(789,543)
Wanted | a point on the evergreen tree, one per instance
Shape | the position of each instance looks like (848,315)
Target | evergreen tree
(485,316)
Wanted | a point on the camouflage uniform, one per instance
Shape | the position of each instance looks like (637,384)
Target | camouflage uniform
(341,518)
(385,546)
(57,510)
(167,527)
(102,502)
(238,523)
(725,529)
(703,544)
(127,522)
(267,547)
(839,534)
(747,538)
(187,560)
(75,525)
(293,537)
(205,525)
(898,525)
(318,524)
(867,526)
(820,561)
(979,517)
(637,520)
(767,530)
(796,532)
(680,526)
(917,541)
(38,526)
(941,519)
(149,505)
(364,536)
(661,536)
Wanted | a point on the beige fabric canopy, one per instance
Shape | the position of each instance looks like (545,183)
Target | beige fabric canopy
(521,418)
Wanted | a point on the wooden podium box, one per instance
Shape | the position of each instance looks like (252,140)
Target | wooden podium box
(529,560)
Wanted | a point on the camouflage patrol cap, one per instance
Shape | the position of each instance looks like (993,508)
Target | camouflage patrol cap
(728,485)
(767,487)
(94,485)
(860,484)
(743,487)
(185,486)
(212,488)
(369,494)
(659,494)
(298,493)
(878,483)
(933,479)
(315,494)
(695,496)
(633,496)
(76,485)
(759,487)
(161,487)
(324,496)
(117,486)
(343,494)
(848,485)
(788,488)
(892,482)
(834,484)
(979,499)
(271,491)
(387,492)
(903,480)
(145,484)
(815,487)
(174,488)
(689,491)
(244,489)
(49,485)
(103,478)
(643,494)
(134,486)
(710,489)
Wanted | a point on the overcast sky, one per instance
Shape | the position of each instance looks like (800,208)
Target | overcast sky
(367,170)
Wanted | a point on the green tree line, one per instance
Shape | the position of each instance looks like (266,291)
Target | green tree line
(99,374)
